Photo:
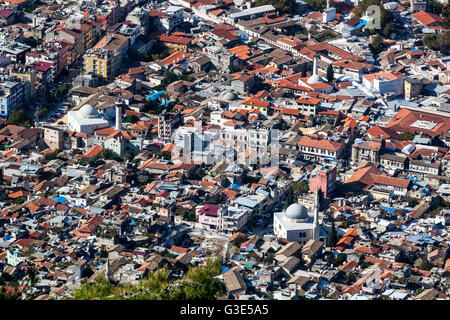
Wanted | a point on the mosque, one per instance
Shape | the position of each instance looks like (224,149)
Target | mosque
(86,119)
(299,224)
(315,82)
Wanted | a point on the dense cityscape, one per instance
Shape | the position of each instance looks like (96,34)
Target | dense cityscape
(225,150)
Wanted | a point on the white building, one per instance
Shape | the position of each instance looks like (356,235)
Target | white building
(297,224)
(232,219)
(173,16)
(384,82)
(86,119)
(329,14)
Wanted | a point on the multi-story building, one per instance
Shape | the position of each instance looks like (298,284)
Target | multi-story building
(72,36)
(12,52)
(366,151)
(423,167)
(173,16)
(27,74)
(54,138)
(166,124)
(413,87)
(232,218)
(54,52)
(308,106)
(243,139)
(385,82)
(140,17)
(105,57)
(394,161)
(320,150)
(11,96)
(176,43)
(221,58)
(323,178)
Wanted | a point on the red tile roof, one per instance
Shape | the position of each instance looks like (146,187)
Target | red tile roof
(321,144)
(175,39)
(426,18)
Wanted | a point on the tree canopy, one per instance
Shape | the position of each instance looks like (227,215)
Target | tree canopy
(316,5)
(199,283)
(386,17)
(283,6)
(330,73)
(377,43)
(19,118)
(438,42)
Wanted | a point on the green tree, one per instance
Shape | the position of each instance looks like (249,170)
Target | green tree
(19,118)
(444,42)
(387,29)
(189,215)
(300,188)
(385,16)
(436,7)
(438,42)
(283,6)
(289,199)
(330,73)
(132,119)
(101,289)
(108,154)
(84,162)
(376,43)
(316,5)
(200,283)
(332,236)
(5,295)
(426,265)
(129,156)
(304,70)
(446,16)
(19,201)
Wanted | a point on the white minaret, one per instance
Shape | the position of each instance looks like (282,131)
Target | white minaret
(328,4)
(315,65)
(107,271)
(316,229)
(118,117)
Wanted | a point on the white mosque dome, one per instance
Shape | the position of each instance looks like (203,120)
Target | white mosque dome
(88,111)
(230,96)
(297,212)
(315,78)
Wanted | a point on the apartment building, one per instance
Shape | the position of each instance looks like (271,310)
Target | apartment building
(11,96)
(105,57)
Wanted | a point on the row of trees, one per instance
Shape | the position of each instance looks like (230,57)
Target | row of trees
(199,283)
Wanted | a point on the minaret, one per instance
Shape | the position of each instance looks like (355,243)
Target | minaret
(118,117)
(107,269)
(316,228)
(315,65)
(328,4)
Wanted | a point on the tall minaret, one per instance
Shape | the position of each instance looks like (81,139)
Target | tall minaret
(316,227)
(315,65)
(328,4)
(107,271)
(118,117)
